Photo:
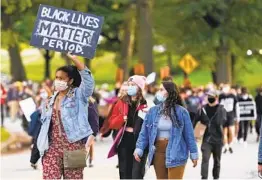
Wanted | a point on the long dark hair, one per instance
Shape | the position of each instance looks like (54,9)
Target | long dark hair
(72,73)
(171,101)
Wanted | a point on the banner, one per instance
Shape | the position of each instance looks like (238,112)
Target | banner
(246,110)
(65,30)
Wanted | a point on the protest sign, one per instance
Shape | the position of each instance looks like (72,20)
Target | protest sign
(246,110)
(65,30)
(28,106)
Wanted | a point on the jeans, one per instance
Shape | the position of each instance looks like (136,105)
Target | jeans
(208,149)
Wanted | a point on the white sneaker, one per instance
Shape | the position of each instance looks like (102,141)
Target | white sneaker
(245,144)
(241,141)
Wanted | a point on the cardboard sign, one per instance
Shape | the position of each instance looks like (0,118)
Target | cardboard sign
(28,107)
(65,30)
(246,110)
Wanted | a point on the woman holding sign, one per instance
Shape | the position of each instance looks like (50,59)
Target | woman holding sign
(66,136)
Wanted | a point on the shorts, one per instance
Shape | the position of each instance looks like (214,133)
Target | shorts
(229,122)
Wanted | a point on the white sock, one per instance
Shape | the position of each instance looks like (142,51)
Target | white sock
(230,145)
(226,146)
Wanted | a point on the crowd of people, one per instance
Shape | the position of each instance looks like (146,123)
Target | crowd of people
(146,121)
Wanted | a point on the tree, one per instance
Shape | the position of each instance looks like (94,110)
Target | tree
(212,31)
(144,33)
(11,15)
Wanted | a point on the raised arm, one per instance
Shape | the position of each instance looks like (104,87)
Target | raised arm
(86,87)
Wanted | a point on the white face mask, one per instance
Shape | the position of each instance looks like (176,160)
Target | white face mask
(60,85)
(245,96)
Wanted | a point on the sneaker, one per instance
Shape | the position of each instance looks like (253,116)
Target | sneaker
(34,166)
(241,141)
(91,165)
(245,144)
(225,151)
(117,166)
(230,150)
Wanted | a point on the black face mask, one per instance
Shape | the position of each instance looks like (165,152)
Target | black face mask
(211,100)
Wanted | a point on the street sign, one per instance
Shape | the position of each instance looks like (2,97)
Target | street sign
(188,63)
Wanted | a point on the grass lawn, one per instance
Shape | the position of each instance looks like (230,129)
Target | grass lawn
(104,70)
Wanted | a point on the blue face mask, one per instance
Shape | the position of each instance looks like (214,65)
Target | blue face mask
(131,90)
(160,97)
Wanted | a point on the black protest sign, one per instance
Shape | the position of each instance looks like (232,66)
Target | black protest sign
(65,30)
(246,110)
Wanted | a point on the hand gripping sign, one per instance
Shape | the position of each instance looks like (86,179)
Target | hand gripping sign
(66,31)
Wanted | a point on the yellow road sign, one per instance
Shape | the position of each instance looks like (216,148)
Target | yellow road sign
(188,63)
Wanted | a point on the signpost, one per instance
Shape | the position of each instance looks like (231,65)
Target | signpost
(246,110)
(65,30)
(188,63)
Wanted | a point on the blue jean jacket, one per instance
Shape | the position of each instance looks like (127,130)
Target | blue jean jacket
(74,113)
(181,141)
(260,146)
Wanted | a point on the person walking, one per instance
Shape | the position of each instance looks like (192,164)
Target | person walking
(131,106)
(3,95)
(260,154)
(168,131)
(244,124)
(258,100)
(229,101)
(65,125)
(214,117)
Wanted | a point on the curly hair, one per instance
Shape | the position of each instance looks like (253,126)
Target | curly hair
(171,102)
(72,73)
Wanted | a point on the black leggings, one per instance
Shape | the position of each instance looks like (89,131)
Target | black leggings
(243,129)
(258,123)
(129,168)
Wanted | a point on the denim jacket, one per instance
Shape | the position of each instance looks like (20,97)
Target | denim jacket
(260,147)
(181,141)
(74,113)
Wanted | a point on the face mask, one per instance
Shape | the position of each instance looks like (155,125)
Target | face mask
(226,90)
(43,95)
(211,100)
(60,85)
(160,97)
(131,90)
(245,96)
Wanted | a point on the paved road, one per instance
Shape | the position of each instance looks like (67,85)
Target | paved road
(240,165)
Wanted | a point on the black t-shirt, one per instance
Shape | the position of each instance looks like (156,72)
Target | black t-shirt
(211,110)
(229,102)
(131,116)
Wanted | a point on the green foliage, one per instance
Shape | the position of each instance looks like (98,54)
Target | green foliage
(198,27)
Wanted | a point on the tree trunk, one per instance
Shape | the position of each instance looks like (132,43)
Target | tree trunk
(66,58)
(127,43)
(169,62)
(47,64)
(233,60)
(214,77)
(144,43)
(88,63)
(16,66)
(224,64)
